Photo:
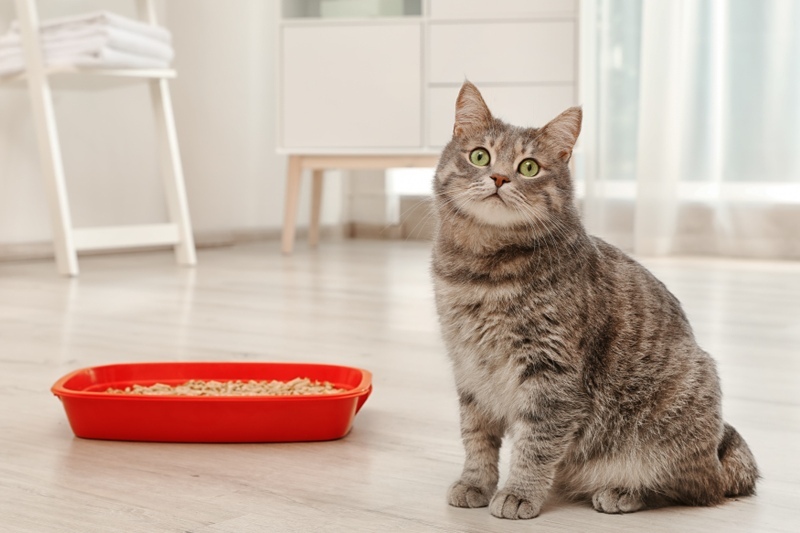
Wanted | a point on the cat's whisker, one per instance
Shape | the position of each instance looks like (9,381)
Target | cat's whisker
(533,221)
(405,216)
(425,218)
(420,223)
(538,225)
(556,226)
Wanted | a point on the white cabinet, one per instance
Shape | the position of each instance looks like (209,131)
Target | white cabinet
(383,80)
(502,52)
(351,85)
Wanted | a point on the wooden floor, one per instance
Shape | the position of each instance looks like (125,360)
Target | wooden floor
(359,303)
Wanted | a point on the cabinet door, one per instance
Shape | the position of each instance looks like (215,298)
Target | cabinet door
(351,86)
(520,106)
(499,52)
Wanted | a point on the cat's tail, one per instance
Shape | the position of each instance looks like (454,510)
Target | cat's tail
(739,470)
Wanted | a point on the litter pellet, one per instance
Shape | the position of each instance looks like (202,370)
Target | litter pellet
(196,387)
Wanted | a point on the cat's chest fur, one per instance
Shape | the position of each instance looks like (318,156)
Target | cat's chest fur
(500,333)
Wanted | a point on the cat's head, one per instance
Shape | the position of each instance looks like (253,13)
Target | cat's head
(506,176)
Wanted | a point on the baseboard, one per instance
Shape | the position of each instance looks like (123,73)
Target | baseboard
(26,251)
(43,250)
(361,230)
(416,223)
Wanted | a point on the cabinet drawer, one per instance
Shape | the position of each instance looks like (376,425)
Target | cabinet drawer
(521,106)
(501,9)
(351,86)
(513,52)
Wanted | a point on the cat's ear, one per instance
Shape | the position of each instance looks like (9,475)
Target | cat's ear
(472,113)
(562,132)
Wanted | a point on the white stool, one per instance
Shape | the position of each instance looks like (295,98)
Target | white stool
(66,239)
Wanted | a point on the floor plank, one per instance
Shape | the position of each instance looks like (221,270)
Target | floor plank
(359,303)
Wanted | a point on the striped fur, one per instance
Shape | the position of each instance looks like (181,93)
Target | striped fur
(562,344)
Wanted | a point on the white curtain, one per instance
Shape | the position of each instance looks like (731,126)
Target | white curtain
(692,134)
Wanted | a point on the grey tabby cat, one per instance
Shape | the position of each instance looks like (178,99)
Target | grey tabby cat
(562,342)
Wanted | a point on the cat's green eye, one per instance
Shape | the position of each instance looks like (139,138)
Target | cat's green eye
(479,157)
(529,168)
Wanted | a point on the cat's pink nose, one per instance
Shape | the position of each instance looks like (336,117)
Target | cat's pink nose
(499,179)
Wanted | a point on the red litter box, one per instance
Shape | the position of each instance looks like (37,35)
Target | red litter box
(96,414)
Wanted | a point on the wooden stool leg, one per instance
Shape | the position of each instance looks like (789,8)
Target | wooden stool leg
(293,177)
(316,207)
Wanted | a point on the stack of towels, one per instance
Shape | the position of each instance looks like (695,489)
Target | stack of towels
(96,40)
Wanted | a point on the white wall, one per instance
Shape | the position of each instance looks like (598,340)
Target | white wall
(224,100)
(225,109)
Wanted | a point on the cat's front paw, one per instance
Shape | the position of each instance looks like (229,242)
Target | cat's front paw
(507,504)
(614,501)
(465,495)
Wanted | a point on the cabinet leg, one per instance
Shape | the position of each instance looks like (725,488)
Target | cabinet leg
(316,207)
(294,175)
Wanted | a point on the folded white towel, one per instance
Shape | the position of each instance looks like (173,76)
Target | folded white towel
(97,39)
(65,26)
(105,58)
